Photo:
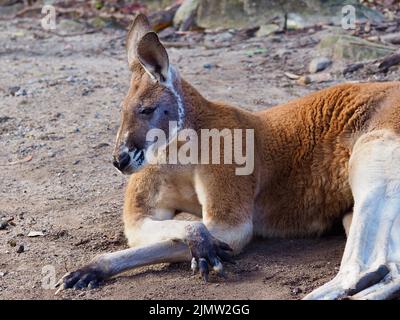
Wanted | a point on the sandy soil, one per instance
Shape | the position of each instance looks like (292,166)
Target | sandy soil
(70,191)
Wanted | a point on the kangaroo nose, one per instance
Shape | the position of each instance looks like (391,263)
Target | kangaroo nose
(123,160)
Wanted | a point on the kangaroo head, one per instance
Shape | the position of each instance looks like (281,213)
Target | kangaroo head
(154,98)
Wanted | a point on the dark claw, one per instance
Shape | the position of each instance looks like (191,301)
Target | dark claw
(213,259)
(70,280)
(369,279)
(218,268)
(80,285)
(93,284)
(217,265)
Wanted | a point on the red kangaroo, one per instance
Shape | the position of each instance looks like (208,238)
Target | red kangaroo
(332,154)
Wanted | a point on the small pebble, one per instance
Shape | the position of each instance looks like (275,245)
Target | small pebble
(21,92)
(33,234)
(13,90)
(208,66)
(86,91)
(101,145)
(3,224)
(12,243)
(71,79)
(297,291)
(319,64)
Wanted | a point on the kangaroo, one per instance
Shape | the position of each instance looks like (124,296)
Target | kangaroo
(334,154)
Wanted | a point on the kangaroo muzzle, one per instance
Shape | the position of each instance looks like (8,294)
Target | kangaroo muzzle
(129,161)
(122,161)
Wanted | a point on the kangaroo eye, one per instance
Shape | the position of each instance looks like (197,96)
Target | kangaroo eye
(148,110)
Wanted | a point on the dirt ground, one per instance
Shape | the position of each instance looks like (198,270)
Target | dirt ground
(66,120)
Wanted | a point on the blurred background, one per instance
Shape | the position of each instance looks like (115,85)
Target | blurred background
(63,74)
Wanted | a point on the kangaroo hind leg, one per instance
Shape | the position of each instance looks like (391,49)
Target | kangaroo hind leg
(371,261)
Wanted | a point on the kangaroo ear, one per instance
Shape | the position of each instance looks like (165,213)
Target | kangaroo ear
(137,29)
(153,57)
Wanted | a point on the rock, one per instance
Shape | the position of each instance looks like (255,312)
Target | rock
(220,37)
(86,91)
(295,22)
(300,14)
(13,90)
(304,80)
(71,79)
(20,248)
(2,274)
(314,78)
(12,243)
(3,224)
(353,67)
(98,22)
(208,66)
(167,33)
(104,22)
(5,119)
(161,19)
(101,145)
(21,92)
(17,91)
(51,154)
(8,2)
(33,234)
(392,38)
(292,76)
(253,52)
(11,8)
(66,26)
(352,48)
(266,30)
(389,61)
(186,12)
(296,291)
(319,64)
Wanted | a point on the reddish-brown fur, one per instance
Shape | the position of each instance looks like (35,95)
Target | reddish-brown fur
(300,184)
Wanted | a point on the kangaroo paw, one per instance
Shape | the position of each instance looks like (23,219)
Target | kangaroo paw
(207,251)
(87,277)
